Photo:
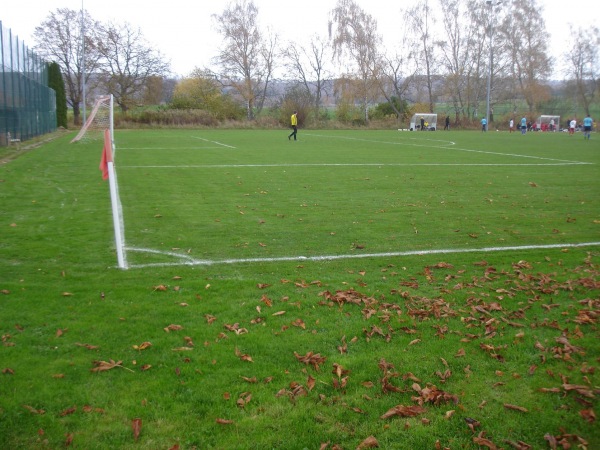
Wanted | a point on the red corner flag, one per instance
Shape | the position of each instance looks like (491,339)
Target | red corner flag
(106,154)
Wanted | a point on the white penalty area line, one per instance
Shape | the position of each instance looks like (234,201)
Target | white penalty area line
(213,142)
(216,143)
(185,260)
(451,145)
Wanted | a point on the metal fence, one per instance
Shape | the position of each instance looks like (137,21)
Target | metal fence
(27,104)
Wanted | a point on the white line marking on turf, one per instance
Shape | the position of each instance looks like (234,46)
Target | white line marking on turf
(213,142)
(189,261)
(166,148)
(232,166)
(445,147)
(348,138)
(565,161)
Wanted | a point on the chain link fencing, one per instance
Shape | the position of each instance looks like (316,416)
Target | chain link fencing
(27,104)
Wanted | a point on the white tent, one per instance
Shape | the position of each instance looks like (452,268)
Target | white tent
(548,123)
(429,119)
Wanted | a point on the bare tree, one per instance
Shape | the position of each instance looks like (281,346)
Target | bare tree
(421,22)
(59,38)
(487,58)
(583,65)
(355,36)
(246,59)
(129,63)
(308,65)
(527,40)
(393,82)
(456,54)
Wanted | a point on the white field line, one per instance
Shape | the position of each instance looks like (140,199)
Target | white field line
(446,145)
(186,260)
(233,166)
(449,145)
(213,142)
(218,145)
(167,148)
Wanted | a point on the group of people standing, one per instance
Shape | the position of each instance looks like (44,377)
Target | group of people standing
(524,126)
(588,124)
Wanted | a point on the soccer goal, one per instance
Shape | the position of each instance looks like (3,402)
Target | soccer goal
(99,127)
(429,122)
(99,120)
(547,123)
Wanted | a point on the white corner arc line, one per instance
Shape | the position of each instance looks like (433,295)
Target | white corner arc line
(189,261)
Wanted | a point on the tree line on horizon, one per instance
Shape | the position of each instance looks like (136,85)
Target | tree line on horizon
(448,51)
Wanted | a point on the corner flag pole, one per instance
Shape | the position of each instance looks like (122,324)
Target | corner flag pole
(114,196)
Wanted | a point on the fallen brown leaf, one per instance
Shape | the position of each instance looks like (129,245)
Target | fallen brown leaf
(403,411)
(519,445)
(142,346)
(243,356)
(32,410)
(102,366)
(515,407)
(485,442)
(369,442)
(68,411)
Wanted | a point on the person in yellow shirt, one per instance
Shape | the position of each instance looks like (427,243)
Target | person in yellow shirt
(294,121)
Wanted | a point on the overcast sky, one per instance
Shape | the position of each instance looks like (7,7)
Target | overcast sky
(183,30)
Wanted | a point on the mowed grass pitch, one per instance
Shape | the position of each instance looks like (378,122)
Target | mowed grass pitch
(242,239)
(239,194)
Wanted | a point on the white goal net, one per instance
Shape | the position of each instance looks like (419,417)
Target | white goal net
(99,120)
(423,122)
(547,123)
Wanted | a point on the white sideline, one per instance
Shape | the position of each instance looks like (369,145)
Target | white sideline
(241,166)
(185,260)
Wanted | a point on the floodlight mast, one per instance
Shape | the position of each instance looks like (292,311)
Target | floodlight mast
(491,4)
(83,60)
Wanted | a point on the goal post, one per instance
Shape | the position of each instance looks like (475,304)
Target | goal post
(429,121)
(99,119)
(547,123)
(100,126)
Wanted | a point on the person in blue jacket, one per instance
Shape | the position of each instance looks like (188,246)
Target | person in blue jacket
(587,127)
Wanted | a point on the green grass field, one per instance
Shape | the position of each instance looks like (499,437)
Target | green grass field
(418,290)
